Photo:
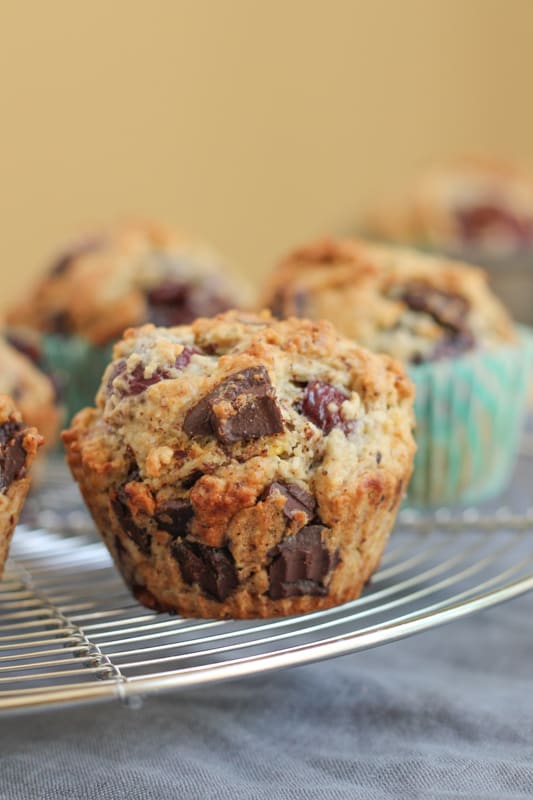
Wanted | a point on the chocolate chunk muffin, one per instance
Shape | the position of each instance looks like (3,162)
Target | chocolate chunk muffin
(473,209)
(469,362)
(18,447)
(32,391)
(104,282)
(467,203)
(244,467)
(413,306)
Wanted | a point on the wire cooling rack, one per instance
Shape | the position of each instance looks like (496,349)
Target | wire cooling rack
(70,631)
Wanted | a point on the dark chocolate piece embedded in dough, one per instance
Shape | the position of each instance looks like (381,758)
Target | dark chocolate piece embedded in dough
(242,407)
(296,499)
(450,311)
(447,308)
(300,564)
(174,517)
(120,505)
(176,302)
(213,568)
(12,453)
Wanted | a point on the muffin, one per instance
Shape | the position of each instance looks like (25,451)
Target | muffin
(474,209)
(32,391)
(18,447)
(244,467)
(99,285)
(469,362)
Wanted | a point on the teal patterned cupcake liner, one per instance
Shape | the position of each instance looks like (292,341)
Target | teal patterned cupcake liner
(78,367)
(469,416)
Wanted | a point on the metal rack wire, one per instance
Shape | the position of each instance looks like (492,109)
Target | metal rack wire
(71,632)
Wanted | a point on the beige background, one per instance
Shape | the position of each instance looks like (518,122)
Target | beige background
(253,124)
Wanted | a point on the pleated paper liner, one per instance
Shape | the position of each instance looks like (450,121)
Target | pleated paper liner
(469,412)
(78,366)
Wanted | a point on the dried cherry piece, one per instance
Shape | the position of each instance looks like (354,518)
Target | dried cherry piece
(137,382)
(185,356)
(476,221)
(321,404)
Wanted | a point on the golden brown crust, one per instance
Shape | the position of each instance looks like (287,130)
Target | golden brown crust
(99,286)
(361,286)
(132,458)
(14,482)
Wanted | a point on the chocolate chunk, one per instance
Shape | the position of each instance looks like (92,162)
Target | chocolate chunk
(321,404)
(174,517)
(446,308)
(178,303)
(120,505)
(213,568)
(191,479)
(296,499)
(198,420)
(12,453)
(242,407)
(168,304)
(80,248)
(300,564)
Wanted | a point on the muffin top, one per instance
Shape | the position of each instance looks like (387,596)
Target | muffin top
(392,300)
(131,273)
(468,204)
(213,414)
(32,391)
(18,446)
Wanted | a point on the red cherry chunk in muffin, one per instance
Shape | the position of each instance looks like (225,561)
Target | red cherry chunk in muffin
(322,403)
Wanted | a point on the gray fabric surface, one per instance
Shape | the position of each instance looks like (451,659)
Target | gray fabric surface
(446,714)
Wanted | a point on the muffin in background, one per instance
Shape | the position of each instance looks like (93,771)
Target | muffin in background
(105,282)
(18,447)
(473,208)
(243,466)
(469,362)
(33,392)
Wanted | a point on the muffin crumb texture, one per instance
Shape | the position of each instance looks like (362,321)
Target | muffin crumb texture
(243,466)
